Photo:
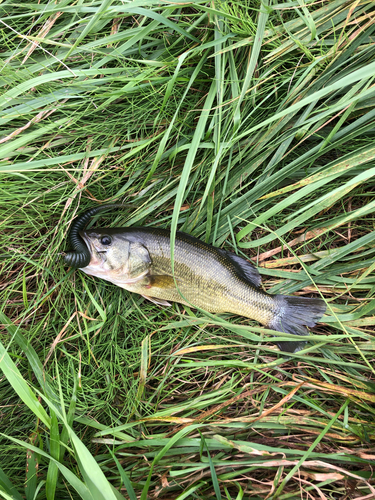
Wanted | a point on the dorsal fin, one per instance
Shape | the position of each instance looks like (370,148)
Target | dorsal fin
(244,268)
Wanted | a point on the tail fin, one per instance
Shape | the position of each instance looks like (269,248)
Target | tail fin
(292,314)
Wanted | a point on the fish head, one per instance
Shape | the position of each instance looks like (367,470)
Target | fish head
(114,256)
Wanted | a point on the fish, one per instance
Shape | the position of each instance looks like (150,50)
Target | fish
(138,259)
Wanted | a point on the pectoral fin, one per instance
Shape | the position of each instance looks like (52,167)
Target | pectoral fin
(163,281)
(156,284)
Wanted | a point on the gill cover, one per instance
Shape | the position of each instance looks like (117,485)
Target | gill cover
(80,256)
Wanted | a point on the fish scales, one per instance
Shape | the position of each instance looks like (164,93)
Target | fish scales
(207,279)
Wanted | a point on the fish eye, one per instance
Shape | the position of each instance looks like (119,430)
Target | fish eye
(105,240)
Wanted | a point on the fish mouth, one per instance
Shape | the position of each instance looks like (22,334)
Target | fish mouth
(86,240)
(96,257)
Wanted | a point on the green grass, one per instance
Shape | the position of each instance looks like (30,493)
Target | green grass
(249,125)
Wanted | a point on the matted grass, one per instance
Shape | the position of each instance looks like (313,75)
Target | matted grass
(249,125)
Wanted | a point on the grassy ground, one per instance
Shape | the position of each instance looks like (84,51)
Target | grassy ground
(249,125)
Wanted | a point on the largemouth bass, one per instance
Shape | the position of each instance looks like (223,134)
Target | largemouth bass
(139,260)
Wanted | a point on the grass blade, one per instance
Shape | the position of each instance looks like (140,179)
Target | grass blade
(20,386)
